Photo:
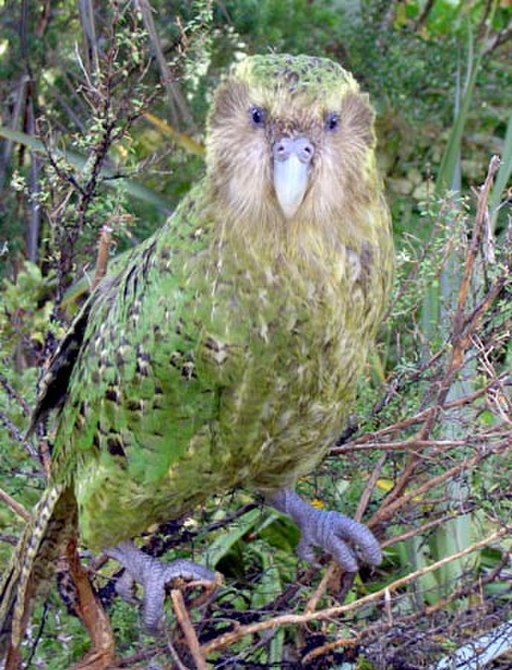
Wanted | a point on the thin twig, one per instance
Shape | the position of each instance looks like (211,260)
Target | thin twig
(174,97)
(17,435)
(460,338)
(475,243)
(332,613)
(175,656)
(421,530)
(15,506)
(422,18)
(386,512)
(13,393)
(498,39)
(379,628)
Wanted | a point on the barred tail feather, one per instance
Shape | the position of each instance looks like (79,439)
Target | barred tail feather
(32,566)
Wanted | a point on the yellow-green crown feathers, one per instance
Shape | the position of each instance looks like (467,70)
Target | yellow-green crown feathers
(297,74)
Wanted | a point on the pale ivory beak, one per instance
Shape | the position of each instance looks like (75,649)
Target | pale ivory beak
(292,159)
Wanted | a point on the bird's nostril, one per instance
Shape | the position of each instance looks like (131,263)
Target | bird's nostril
(301,147)
(304,149)
(282,149)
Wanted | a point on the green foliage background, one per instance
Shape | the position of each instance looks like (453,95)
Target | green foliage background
(69,71)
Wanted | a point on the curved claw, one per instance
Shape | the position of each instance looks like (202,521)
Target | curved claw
(154,576)
(329,531)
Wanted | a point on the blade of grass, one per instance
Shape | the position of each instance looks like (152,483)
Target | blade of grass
(451,155)
(504,172)
(182,139)
(221,546)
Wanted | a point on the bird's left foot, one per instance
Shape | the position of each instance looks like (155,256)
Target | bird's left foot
(329,531)
(154,576)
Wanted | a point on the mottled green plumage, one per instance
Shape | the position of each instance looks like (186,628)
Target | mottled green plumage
(227,349)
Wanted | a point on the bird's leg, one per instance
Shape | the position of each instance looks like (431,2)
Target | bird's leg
(327,530)
(154,576)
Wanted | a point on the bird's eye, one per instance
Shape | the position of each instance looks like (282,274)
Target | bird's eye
(257,116)
(332,121)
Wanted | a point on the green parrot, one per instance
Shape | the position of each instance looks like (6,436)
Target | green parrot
(226,350)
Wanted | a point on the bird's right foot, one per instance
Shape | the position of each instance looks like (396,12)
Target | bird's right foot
(154,577)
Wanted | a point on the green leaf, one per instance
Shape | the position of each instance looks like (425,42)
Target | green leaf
(222,545)
(450,162)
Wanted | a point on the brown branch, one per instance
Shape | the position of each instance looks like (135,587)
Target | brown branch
(369,488)
(417,418)
(422,18)
(15,506)
(420,530)
(400,445)
(174,97)
(345,642)
(482,30)
(471,440)
(461,336)
(186,625)
(91,614)
(498,39)
(475,244)
(387,511)
(331,613)
(379,628)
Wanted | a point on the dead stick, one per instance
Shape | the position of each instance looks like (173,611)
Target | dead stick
(14,505)
(179,665)
(475,241)
(379,628)
(460,338)
(410,421)
(183,617)
(420,530)
(387,512)
(334,612)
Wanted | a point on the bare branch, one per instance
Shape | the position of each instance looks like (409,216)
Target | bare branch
(498,39)
(15,506)
(422,18)
(227,639)
(186,625)
(177,105)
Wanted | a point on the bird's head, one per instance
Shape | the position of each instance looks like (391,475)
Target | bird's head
(290,143)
